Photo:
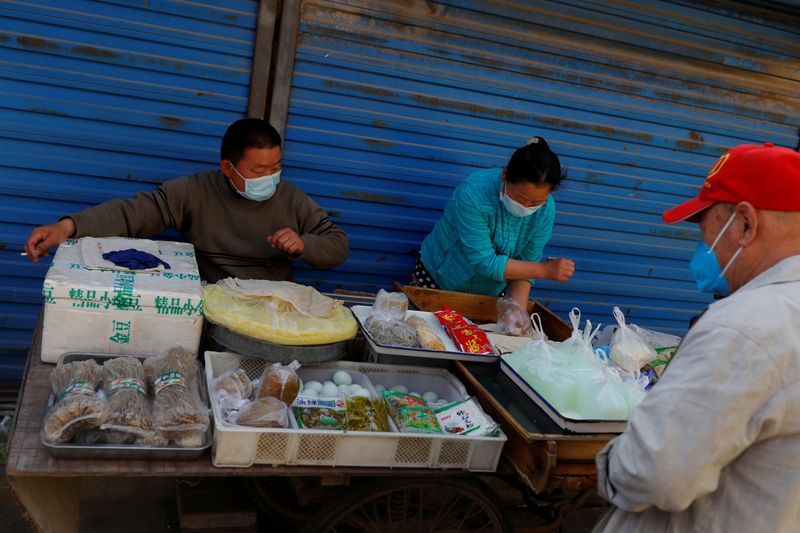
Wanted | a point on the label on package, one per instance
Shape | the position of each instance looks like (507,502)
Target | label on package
(126,384)
(169,379)
(77,388)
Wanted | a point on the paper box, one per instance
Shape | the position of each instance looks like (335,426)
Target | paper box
(121,312)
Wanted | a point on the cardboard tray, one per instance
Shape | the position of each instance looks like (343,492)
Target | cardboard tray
(362,312)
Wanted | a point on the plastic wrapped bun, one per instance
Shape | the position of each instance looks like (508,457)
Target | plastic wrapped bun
(281,382)
(176,402)
(77,405)
(280,312)
(428,338)
(232,390)
(267,412)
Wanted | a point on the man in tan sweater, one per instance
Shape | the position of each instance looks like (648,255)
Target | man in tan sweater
(242,219)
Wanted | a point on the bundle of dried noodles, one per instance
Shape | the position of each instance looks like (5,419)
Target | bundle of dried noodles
(128,412)
(177,408)
(77,405)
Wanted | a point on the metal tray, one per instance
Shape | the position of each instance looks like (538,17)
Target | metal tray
(127,451)
(362,312)
(276,353)
(576,425)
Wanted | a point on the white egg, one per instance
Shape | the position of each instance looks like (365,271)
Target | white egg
(430,396)
(413,393)
(355,387)
(340,377)
(310,393)
(362,392)
(326,383)
(312,386)
(330,390)
(399,388)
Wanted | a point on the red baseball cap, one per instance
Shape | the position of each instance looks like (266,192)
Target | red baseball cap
(767,176)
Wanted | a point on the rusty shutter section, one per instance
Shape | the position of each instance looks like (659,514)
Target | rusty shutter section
(394,103)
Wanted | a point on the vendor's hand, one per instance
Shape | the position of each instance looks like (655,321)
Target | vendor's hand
(559,269)
(43,238)
(287,240)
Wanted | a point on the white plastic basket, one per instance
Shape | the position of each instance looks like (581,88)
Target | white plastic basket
(237,446)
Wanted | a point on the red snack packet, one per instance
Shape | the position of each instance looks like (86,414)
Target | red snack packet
(471,340)
(449,318)
(465,335)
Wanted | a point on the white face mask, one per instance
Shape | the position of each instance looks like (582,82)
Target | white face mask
(515,208)
(261,188)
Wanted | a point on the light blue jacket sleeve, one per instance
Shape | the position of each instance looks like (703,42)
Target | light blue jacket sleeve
(474,235)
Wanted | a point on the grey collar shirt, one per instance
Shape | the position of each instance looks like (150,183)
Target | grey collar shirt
(715,445)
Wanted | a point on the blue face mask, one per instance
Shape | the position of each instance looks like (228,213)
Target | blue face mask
(708,274)
(515,208)
(259,189)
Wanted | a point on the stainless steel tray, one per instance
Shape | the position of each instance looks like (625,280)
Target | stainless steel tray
(128,451)
(276,353)
(450,353)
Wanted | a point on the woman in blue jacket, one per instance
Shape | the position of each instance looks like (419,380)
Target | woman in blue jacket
(494,229)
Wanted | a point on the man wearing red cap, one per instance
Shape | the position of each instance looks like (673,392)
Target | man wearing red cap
(715,445)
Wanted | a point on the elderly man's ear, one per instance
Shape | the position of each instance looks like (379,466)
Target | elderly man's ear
(749,217)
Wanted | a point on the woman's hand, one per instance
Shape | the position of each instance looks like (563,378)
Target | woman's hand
(559,269)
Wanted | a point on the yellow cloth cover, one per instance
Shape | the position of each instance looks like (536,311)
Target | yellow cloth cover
(270,318)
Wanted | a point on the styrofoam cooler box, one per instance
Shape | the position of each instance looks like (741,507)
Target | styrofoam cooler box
(240,446)
(120,311)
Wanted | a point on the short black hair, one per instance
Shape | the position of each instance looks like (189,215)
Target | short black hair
(536,163)
(247,133)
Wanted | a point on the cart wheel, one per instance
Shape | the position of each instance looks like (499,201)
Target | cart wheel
(413,505)
(276,498)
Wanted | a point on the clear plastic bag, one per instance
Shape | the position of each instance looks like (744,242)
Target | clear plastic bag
(232,390)
(78,406)
(266,412)
(386,324)
(428,338)
(280,312)
(391,332)
(512,318)
(280,381)
(128,408)
(578,347)
(177,408)
(602,397)
(390,305)
(628,350)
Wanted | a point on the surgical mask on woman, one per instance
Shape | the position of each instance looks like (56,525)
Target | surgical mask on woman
(261,188)
(708,274)
(515,208)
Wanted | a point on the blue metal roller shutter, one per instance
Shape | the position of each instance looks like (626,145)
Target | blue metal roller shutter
(100,100)
(393,104)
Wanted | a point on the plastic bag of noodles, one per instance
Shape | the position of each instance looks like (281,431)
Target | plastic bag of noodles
(280,312)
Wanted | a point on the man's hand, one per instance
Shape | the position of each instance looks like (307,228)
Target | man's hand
(559,269)
(287,240)
(43,238)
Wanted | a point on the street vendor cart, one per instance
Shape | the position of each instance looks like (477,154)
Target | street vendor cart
(553,469)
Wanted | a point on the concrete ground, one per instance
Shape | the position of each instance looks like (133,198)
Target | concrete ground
(133,505)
